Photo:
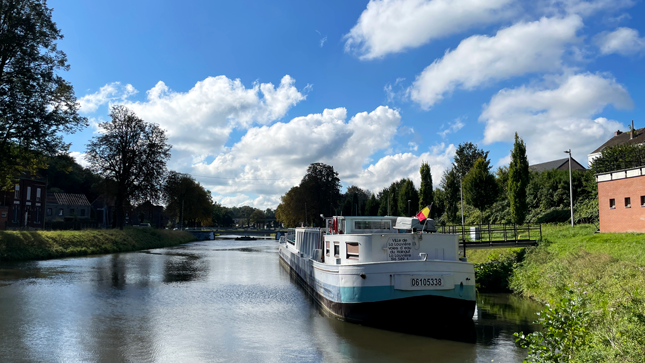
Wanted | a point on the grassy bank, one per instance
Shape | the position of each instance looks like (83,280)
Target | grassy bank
(603,273)
(38,245)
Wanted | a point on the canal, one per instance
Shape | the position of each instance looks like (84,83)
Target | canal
(216,301)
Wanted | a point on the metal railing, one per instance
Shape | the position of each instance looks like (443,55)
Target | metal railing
(494,235)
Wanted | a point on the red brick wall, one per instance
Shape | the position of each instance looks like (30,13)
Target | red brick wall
(622,219)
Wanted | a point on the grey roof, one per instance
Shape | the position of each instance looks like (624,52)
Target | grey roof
(623,139)
(67,199)
(555,164)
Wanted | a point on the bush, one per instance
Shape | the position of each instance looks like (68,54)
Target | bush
(493,275)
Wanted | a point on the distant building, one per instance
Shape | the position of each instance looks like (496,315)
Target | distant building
(104,211)
(620,138)
(66,205)
(621,200)
(153,214)
(560,164)
(24,207)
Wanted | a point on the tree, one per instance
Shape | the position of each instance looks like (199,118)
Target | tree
(407,192)
(132,153)
(518,180)
(186,199)
(480,186)
(257,216)
(451,194)
(465,157)
(36,104)
(372,206)
(321,190)
(246,212)
(291,210)
(426,195)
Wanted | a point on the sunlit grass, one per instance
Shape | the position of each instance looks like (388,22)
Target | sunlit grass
(27,245)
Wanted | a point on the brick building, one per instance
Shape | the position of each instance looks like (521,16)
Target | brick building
(65,205)
(621,200)
(24,207)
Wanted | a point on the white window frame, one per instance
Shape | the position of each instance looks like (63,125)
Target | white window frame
(28,193)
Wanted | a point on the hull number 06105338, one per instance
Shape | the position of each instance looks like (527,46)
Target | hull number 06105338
(424,282)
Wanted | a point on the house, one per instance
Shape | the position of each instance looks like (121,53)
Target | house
(24,206)
(147,213)
(560,164)
(621,200)
(620,138)
(67,205)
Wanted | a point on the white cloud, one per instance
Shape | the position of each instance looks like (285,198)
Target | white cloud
(392,26)
(455,126)
(106,94)
(322,41)
(513,51)
(624,41)
(551,120)
(199,121)
(406,165)
(79,158)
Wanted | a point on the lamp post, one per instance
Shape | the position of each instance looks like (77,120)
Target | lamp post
(570,186)
(461,192)
(408,207)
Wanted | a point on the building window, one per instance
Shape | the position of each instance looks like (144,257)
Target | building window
(16,214)
(37,211)
(49,211)
(28,193)
(642,200)
(612,203)
(17,193)
(82,212)
(37,194)
(60,212)
(71,212)
(628,202)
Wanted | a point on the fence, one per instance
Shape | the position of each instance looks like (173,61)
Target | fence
(494,235)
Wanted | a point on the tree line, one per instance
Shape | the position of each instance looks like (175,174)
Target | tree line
(511,194)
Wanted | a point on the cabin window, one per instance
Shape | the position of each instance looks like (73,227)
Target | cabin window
(352,250)
(336,249)
(17,192)
(628,202)
(372,225)
(612,203)
(327,249)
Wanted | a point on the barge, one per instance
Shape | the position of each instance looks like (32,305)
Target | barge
(381,270)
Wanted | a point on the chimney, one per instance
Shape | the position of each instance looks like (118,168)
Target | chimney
(617,133)
(631,131)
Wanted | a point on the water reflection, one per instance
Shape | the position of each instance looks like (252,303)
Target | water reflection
(215,301)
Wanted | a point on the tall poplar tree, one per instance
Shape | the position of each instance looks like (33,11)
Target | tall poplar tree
(480,187)
(426,194)
(518,180)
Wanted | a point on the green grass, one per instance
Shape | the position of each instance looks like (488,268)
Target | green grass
(39,245)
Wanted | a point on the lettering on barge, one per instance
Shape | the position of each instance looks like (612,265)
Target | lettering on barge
(399,248)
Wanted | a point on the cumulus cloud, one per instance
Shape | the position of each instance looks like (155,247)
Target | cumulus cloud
(391,26)
(107,94)
(405,165)
(79,158)
(558,118)
(519,49)
(268,160)
(199,121)
(624,41)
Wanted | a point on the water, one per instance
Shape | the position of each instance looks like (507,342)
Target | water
(215,301)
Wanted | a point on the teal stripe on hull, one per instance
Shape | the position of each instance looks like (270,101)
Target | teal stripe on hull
(381,293)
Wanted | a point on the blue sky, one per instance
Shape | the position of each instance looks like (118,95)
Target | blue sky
(251,93)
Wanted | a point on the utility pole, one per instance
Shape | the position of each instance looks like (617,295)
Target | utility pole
(461,192)
(570,186)
(409,208)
